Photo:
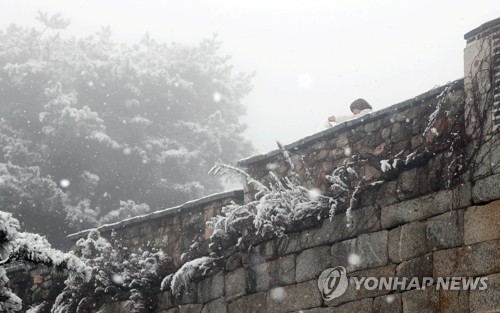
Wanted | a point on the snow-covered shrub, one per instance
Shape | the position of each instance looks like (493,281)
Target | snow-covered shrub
(114,271)
(191,270)
(276,208)
(19,246)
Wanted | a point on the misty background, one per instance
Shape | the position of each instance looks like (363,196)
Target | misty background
(113,109)
(311,58)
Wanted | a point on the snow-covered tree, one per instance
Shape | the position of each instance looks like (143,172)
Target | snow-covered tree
(16,246)
(115,273)
(116,122)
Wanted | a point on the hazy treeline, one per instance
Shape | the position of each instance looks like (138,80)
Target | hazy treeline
(92,131)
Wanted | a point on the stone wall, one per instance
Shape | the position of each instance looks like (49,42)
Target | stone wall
(173,230)
(417,222)
(35,284)
(281,275)
(427,205)
(397,132)
(436,213)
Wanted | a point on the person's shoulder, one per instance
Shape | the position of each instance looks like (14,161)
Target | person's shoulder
(365,111)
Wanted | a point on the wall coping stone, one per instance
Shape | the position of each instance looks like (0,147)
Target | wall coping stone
(183,208)
(350,124)
(490,24)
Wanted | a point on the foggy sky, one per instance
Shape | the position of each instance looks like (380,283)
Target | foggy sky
(311,58)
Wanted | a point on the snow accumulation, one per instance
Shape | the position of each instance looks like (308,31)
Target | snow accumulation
(385,166)
(181,279)
(158,213)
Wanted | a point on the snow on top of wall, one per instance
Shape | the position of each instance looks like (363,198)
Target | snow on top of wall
(347,125)
(235,193)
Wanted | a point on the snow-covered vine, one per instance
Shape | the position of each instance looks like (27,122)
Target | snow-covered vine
(19,246)
(180,280)
(275,207)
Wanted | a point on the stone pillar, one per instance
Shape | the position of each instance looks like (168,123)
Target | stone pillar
(482,89)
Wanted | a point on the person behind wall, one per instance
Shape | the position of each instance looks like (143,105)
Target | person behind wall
(358,108)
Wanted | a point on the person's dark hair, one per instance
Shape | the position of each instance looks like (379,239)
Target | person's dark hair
(360,104)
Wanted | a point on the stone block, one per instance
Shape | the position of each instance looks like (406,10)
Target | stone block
(388,304)
(191,218)
(233,262)
(253,256)
(486,300)
(311,262)
(421,301)
(268,250)
(260,278)
(451,301)
(486,189)
(372,249)
(416,142)
(341,140)
(400,132)
(190,308)
(289,244)
(412,240)
(393,245)
(235,284)
(445,231)
(301,296)
(418,267)
(482,223)
(352,293)
(387,194)
(370,173)
(365,220)
(408,184)
(252,303)
(425,207)
(190,294)
(283,271)
(165,300)
(386,133)
(475,260)
(341,251)
(211,288)
(373,126)
(217,305)
(363,305)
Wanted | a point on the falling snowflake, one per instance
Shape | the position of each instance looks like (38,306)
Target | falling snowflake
(271,166)
(217,97)
(64,183)
(117,279)
(354,259)
(278,294)
(390,299)
(347,151)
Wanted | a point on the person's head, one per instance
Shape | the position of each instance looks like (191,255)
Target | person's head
(359,105)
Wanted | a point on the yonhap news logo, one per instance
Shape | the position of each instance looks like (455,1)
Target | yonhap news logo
(333,283)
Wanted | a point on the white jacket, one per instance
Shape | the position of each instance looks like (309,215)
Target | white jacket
(343,118)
